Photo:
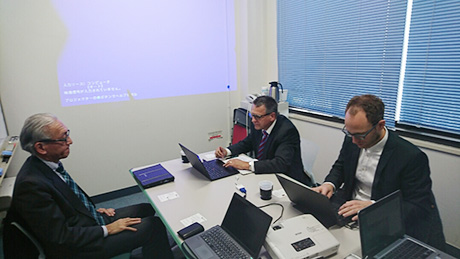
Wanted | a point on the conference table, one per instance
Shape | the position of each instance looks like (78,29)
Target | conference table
(192,197)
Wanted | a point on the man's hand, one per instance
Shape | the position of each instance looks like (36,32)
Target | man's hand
(238,164)
(352,207)
(324,189)
(122,225)
(221,152)
(109,212)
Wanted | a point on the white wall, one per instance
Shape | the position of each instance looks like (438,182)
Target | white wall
(445,167)
(109,138)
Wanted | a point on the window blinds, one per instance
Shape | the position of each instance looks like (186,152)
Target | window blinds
(330,51)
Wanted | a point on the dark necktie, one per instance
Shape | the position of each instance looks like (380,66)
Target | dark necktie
(260,151)
(76,189)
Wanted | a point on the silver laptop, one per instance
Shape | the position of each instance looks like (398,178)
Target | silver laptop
(310,202)
(382,232)
(212,169)
(241,234)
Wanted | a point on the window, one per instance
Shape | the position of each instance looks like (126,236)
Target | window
(330,51)
(432,78)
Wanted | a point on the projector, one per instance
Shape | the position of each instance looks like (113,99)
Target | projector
(300,237)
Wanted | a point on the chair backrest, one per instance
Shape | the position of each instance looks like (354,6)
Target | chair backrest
(309,151)
(241,125)
(41,253)
(239,133)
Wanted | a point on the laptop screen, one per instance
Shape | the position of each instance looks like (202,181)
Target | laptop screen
(247,224)
(308,201)
(194,159)
(381,224)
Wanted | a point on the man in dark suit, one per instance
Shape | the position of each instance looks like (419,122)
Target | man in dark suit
(61,216)
(375,162)
(278,152)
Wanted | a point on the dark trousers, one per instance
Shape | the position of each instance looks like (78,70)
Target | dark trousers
(150,235)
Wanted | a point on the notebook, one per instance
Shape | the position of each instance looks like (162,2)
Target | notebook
(311,202)
(213,169)
(244,229)
(382,232)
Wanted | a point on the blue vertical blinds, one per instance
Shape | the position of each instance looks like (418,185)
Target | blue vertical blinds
(431,93)
(331,50)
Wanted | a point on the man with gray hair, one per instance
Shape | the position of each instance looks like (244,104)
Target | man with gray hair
(48,203)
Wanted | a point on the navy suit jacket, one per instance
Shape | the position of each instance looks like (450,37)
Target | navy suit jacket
(402,166)
(281,152)
(45,205)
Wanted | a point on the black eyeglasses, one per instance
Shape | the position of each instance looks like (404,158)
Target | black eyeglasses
(258,117)
(67,134)
(358,136)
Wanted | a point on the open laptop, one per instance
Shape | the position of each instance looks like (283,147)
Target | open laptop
(311,202)
(243,231)
(381,229)
(213,169)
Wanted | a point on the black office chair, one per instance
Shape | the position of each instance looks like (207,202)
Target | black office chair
(20,243)
(24,248)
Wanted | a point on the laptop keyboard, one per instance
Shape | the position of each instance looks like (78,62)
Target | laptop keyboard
(215,170)
(222,244)
(408,249)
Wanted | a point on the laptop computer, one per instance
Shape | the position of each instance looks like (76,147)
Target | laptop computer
(311,202)
(213,169)
(382,232)
(243,231)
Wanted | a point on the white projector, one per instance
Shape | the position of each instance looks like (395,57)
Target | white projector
(300,237)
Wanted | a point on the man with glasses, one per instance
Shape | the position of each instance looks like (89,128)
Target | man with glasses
(375,162)
(275,143)
(50,205)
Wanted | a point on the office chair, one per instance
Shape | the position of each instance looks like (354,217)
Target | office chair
(309,150)
(41,253)
(241,125)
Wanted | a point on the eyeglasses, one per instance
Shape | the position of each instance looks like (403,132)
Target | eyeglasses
(67,134)
(358,136)
(258,117)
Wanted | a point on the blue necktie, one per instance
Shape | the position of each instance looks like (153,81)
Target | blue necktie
(260,151)
(76,189)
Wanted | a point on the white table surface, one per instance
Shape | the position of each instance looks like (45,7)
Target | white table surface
(199,196)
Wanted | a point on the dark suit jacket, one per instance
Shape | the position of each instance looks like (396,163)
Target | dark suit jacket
(402,166)
(47,207)
(281,153)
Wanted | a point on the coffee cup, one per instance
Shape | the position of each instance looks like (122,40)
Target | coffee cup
(266,188)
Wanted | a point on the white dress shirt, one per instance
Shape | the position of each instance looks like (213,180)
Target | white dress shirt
(365,171)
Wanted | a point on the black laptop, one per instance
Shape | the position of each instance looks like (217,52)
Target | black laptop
(212,169)
(311,202)
(382,233)
(241,234)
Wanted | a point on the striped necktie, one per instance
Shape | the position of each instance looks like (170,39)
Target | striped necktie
(76,189)
(260,151)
